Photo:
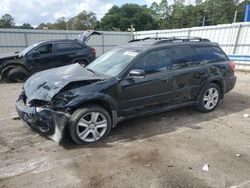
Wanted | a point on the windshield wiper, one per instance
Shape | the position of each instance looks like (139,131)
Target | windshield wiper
(91,70)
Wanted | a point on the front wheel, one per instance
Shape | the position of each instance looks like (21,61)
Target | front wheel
(89,124)
(17,74)
(209,98)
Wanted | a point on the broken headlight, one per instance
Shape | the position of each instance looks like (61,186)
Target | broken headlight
(62,99)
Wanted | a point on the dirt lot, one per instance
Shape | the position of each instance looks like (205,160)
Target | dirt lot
(165,150)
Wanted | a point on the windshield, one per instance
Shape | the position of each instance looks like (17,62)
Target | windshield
(113,62)
(26,50)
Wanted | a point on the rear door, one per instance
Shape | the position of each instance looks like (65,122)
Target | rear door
(156,87)
(65,53)
(189,73)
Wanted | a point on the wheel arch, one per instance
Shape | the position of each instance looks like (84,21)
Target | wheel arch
(218,82)
(106,102)
(7,67)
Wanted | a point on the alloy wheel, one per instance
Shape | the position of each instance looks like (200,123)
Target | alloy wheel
(211,98)
(92,126)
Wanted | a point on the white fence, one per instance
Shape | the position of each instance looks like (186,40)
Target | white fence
(233,38)
(18,39)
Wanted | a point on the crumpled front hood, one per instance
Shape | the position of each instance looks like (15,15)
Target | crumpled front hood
(6,56)
(46,84)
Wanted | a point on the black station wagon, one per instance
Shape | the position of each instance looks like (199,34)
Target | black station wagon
(142,77)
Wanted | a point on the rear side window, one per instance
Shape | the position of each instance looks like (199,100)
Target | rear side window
(64,47)
(155,61)
(77,46)
(183,57)
(44,49)
(210,54)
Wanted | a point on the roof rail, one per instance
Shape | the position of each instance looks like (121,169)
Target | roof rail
(172,39)
(136,40)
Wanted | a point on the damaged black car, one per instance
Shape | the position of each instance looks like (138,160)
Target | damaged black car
(44,55)
(143,77)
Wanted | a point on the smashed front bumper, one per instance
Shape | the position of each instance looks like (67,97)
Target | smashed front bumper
(46,122)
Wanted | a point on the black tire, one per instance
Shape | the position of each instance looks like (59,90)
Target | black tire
(81,113)
(202,104)
(17,74)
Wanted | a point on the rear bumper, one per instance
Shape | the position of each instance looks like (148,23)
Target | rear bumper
(44,121)
(230,83)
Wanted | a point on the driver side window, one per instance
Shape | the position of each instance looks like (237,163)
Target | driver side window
(44,49)
(155,61)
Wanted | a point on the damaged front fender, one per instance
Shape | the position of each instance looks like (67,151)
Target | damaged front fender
(44,121)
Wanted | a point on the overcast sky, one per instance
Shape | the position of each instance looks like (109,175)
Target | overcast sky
(38,11)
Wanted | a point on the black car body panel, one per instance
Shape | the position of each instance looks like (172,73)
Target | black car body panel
(66,89)
(46,84)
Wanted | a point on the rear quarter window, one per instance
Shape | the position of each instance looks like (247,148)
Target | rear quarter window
(183,57)
(210,54)
(64,47)
(77,46)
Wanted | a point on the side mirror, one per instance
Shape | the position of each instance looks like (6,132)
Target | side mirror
(137,73)
(35,54)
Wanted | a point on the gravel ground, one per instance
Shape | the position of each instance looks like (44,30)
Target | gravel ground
(164,150)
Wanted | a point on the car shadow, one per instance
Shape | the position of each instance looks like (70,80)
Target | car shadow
(165,123)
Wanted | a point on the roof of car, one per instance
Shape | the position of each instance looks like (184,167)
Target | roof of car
(146,43)
(62,40)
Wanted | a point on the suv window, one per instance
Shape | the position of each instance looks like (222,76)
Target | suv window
(44,49)
(183,57)
(211,54)
(77,46)
(155,61)
(64,47)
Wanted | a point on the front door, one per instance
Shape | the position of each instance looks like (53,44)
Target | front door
(153,89)
(41,58)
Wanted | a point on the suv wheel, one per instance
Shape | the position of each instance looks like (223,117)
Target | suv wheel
(89,124)
(209,98)
(17,74)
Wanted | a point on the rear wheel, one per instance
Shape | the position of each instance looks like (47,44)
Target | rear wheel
(209,98)
(17,74)
(89,124)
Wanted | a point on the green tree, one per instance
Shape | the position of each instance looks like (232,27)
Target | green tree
(83,21)
(215,11)
(7,21)
(161,13)
(60,24)
(41,26)
(26,26)
(121,18)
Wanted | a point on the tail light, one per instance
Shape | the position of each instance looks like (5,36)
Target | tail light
(94,52)
(232,65)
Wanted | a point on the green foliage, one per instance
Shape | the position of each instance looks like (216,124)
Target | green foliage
(7,21)
(158,16)
(121,18)
(180,15)
(83,21)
